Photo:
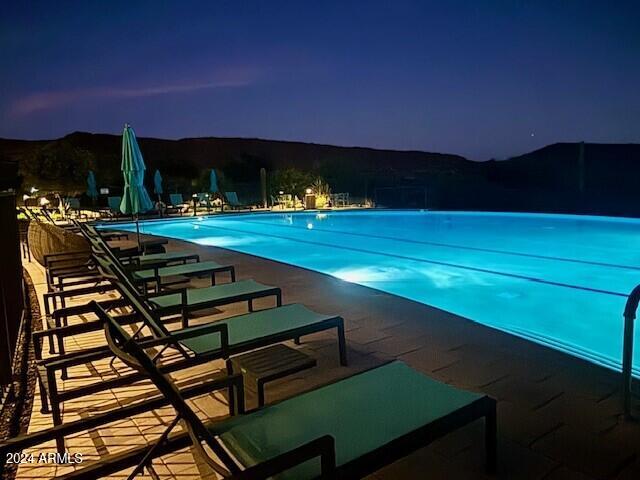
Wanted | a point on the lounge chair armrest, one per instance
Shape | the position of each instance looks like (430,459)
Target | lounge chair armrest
(75,253)
(182,291)
(84,327)
(88,308)
(193,332)
(68,262)
(76,292)
(323,447)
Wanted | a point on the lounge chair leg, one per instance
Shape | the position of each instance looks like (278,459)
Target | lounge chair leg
(61,351)
(279,299)
(250,305)
(44,400)
(342,344)
(55,407)
(232,396)
(297,341)
(232,271)
(185,318)
(491,439)
(213,279)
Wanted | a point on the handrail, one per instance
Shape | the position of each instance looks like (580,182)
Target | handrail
(630,310)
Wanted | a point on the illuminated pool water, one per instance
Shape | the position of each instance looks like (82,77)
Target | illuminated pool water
(558,280)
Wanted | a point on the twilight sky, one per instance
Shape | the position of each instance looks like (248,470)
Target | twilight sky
(478,78)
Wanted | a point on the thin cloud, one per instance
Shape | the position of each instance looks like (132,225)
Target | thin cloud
(39,101)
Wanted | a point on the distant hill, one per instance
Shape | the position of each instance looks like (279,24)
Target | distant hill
(564,177)
(570,177)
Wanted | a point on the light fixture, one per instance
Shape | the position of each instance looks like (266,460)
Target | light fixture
(34,189)
(44,201)
(25,197)
(310,226)
(280,192)
(309,191)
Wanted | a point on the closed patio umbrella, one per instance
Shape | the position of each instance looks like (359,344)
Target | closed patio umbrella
(135,199)
(157,189)
(213,182)
(92,189)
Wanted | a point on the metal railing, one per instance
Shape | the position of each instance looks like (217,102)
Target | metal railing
(630,310)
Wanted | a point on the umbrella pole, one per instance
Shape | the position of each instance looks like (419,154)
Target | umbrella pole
(138,232)
(160,205)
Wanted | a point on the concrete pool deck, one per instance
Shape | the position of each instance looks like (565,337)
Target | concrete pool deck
(558,417)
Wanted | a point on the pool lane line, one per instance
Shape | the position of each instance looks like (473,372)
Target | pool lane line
(421,260)
(461,247)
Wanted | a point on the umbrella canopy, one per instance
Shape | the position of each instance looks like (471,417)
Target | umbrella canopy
(135,199)
(213,182)
(92,189)
(157,183)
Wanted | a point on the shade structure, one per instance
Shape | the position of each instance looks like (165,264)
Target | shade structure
(92,189)
(135,199)
(157,183)
(213,182)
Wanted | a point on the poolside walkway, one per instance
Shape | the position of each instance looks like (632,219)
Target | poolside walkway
(558,417)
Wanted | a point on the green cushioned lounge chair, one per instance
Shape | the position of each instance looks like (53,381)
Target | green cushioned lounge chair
(347,429)
(160,275)
(192,299)
(178,204)
(234,202)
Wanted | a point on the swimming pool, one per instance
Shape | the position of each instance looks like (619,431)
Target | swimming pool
(559,280)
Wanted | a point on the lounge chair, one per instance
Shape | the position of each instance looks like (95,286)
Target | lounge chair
(198,344)
(233,202)
(177,204)
(347,429)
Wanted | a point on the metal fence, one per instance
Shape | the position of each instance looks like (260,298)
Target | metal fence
(11,286)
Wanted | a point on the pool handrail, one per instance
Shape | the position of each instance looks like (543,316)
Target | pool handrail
(630,310)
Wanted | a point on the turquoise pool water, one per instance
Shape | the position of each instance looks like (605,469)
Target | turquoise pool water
(559,280)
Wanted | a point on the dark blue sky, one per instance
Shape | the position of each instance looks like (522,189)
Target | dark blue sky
(481,79)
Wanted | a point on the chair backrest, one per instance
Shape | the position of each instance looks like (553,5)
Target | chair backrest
(127,349)
(232,198)
(114,203)
(176,199)
(111,268)
(202,196)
